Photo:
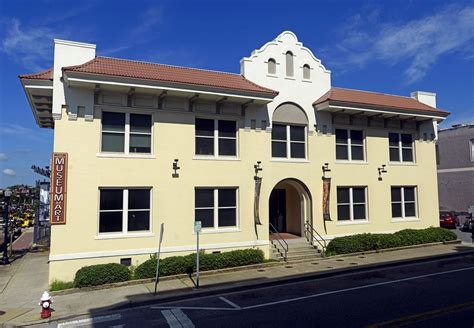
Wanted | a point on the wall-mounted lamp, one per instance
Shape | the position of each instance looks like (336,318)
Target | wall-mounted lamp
(325,169)
(175,169)
(257,168)
(381,170)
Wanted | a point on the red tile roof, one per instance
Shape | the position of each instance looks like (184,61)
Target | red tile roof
(365,98)
(170,74)
(43,75)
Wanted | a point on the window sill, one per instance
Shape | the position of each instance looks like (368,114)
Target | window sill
(208,231)
(217,158)
(306,80)
(341,161)
(272,75)
(290,78)
(124,235)
(119,155)
(401,220)
(402,163)
(352,222)
(289,160)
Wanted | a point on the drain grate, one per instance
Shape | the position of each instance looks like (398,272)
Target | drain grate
(288,266)
(339,260)
(362,257)
(353,263)
(315,263)
(330,267)
(261,270)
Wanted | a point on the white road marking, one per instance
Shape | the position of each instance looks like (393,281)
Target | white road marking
(230,302)
(177,319)
(314,295)
(93,320)
(183,318)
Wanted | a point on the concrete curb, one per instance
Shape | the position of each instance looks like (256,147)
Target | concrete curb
(236,287)
(240,268)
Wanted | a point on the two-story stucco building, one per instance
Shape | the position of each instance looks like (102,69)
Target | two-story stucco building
(148,144)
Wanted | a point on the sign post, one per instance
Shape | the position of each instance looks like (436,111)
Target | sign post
(197,230)
(157,275)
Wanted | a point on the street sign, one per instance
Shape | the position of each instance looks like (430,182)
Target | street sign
(162,229)
(197,226)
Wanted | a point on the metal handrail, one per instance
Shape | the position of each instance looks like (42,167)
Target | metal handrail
(279,240)
(312,231)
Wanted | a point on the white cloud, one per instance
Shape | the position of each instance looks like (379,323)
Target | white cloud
(30,46)
(9,172)
(420,42)
(3,157)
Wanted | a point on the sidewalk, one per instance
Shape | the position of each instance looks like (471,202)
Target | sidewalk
(96,301)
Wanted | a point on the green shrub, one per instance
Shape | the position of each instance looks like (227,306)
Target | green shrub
(60,285)
(187,264)
(101,274)
(369,242)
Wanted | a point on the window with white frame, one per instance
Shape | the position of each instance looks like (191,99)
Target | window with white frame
(350,145)
(306,72)
(400,147)
(288,141)
(216,208)
(216,137)
(351,203)
(403,202)
(124,210)
(271,66)
(126,133)
(289,64)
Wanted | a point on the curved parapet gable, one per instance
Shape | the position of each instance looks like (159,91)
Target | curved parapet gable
(286,66)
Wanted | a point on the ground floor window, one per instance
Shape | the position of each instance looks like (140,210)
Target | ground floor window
(351,203)
(403,202)
(124,210)
(216,207)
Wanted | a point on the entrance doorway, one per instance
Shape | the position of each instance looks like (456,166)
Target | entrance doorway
(289,208)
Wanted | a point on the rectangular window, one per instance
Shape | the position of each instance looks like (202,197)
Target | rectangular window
(350,145)
(124,210)
(351,203)
(403,202)
(216,207)
(216,137)
(400,147)
(288,141)
(126,133)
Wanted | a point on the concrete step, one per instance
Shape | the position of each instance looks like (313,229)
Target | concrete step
(306,252)
(304,257)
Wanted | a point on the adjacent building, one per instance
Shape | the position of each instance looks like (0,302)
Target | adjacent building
(274,148)
(455,161)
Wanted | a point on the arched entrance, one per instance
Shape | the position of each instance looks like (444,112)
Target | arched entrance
(289,208)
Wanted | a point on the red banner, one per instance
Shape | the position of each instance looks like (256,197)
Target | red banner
(326,193)
(58,188)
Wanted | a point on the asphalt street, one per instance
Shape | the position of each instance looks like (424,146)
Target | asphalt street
(439,293)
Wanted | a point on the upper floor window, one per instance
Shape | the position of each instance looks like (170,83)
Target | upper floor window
(289,64)
(124,210)
(216,207)
(306,72)
(216,137)
(271,66)
(400,147)
(126,133)
(288,141)
(403,202)
(349,145)
(351,203)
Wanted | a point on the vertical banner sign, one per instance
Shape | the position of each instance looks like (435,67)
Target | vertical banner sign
(256,214)
(326,193)
(58,188)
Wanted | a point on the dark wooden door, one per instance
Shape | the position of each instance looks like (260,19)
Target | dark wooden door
(277,209)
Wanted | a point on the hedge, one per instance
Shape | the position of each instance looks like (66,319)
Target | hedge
(368,242)
(100,274)
(187,264)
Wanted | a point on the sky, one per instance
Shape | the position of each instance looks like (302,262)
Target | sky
(388,46)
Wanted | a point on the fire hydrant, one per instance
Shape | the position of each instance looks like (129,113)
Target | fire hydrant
(45,304)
